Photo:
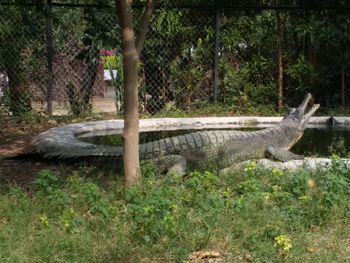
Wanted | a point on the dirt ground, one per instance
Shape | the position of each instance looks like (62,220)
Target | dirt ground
(16,165)
(16,134)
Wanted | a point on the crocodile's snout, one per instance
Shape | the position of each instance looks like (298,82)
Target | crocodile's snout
(305,117)
(298,115)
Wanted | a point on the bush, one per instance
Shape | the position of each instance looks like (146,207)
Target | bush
(264,215)
(114,61)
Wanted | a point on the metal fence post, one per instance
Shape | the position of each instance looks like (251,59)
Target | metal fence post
(49,48)
(217,50)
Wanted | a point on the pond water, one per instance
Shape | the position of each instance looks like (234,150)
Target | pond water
(315,141)
(320,141)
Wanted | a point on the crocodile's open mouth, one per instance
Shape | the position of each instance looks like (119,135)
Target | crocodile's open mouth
(304,118)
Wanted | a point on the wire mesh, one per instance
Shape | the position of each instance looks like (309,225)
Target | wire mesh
(175,69)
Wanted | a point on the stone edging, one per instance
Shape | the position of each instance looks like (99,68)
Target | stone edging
(63,142)
(307,163)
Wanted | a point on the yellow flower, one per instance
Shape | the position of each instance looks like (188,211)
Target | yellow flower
(276,188)
(44,220)
(277,172)
(305,198)
(251,166)
(283,242)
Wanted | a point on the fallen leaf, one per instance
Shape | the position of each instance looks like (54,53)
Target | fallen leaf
(201,255)
(313,249)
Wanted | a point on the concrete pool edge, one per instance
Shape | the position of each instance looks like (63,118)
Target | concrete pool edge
(311,163)
(63,141)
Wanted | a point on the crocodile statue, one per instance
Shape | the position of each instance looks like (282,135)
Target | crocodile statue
(180,153)
(228,147)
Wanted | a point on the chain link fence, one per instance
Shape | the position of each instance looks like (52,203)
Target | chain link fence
(67,60)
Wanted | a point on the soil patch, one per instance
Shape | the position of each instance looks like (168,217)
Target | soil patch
(16,135)
(16,167)
(22,171)
(17,164)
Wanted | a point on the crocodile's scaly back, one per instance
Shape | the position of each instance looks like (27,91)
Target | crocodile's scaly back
(227,147)
(188,143)
(222,147)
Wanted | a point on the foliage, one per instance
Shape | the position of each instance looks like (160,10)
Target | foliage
(171,69)
(302,75)
(117,80)
(283,242)
(188,70)
(247,69)
(46,182)
(177,61)
(170,110)
(266,215)
(21,56)
(111,62)
(337,147)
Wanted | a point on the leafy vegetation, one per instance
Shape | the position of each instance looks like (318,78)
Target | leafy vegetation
(256,214)
(177,60)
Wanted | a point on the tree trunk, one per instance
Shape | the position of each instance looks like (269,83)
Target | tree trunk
(79,98)
(18,85)
(280,59)
(144,25)
(131,51)
(89,78)
(131,118)
(343,86)
(49,54)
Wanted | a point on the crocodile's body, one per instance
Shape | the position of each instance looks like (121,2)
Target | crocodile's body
(222,147)
(225,148)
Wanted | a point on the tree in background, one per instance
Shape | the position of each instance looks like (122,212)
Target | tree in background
(249,60)
(334,36)
(79,97)
(95,34)
(177,57)
(280,40)
(19,36)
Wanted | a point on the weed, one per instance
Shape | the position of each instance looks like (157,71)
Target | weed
(44,220)
(46,182)
(70,220)
(338,147)
(283,242)
(263,215)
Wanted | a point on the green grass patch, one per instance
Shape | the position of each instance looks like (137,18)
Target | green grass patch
(256,214)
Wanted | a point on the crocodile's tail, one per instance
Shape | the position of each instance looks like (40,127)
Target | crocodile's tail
(84,150)
(92,150)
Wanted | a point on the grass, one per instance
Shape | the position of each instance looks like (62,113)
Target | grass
(252,215)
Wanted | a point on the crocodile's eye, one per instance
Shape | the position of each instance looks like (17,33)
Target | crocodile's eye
(289,112)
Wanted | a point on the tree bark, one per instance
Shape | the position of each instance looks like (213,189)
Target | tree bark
(89,78)
(144,26)
(19,92)
(131,118)
(49,54)
(343,86)
(131,51)
(280,59)
(79,98)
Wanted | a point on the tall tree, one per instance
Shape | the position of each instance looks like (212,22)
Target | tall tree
(131,50)
(93,37)
(17,28)
(280,28)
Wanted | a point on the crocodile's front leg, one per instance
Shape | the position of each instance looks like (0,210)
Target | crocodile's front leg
(171,164)
(282,154)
